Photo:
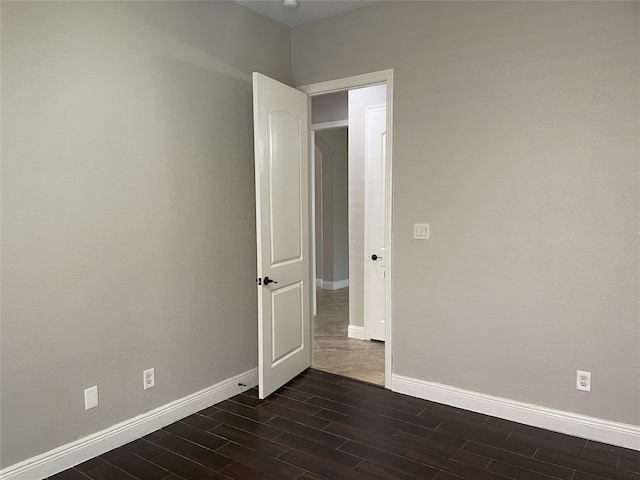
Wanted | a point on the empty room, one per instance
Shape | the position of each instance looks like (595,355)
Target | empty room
(159,245)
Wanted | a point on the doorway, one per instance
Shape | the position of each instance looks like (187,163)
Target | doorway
(336,348)
(343,341)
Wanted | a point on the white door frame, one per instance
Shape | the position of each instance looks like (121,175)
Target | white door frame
(358,81)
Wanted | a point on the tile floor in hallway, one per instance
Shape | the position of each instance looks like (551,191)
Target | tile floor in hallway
(336,353)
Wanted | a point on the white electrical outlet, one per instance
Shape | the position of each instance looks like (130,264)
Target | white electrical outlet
(91,397)
(148,378)
(583,381)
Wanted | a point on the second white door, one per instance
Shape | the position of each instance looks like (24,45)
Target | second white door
(374,222)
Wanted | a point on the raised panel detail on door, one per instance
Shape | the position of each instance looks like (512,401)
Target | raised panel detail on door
(286,322)
(285,155)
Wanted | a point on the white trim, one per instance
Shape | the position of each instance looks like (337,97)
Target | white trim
(357,332)
(326,285)
(328,125)
(614,433)
(341,84)
(388,344)
(319,282)
(357,81)
(341,284)
(66,456)
(312,197)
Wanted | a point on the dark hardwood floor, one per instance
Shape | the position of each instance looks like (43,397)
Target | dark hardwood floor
(326,426)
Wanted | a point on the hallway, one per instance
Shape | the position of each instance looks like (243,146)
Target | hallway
(333,351)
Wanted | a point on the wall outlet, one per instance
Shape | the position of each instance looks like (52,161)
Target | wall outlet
(91,397)
(148,378)
(583,381)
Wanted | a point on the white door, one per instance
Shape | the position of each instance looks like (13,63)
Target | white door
(374,222)
(282,223)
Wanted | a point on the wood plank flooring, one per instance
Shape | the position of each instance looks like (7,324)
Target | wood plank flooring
(324,426)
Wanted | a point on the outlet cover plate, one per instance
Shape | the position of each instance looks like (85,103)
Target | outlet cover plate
(149,378)
(583,381)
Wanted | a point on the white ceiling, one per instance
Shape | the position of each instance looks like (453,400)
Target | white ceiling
(306,11)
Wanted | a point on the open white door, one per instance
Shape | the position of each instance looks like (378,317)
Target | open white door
(374,222)
(282,219)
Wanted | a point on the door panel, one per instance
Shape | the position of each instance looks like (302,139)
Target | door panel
(282,225)
(284,186)
(374,223)
(286,328)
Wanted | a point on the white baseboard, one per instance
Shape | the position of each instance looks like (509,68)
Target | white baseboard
(356,332)
(66,456)
(326,285)
(621,434)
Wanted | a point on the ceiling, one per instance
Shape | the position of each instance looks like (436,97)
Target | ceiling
(307,10)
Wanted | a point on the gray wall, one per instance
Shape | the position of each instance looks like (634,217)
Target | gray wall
(333,107)
(516,137)
(338,138)
(127,207)
(336,173)
(324,221)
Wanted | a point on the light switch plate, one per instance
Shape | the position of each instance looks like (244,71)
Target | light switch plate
(421,231)
(91,397)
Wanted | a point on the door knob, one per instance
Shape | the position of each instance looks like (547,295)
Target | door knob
(375,257)
(267,281)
